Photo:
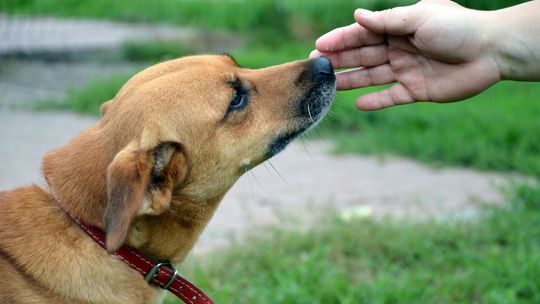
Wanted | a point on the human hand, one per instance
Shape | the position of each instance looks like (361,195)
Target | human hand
(435,50)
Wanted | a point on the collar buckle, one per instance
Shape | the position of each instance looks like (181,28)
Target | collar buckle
(155,271)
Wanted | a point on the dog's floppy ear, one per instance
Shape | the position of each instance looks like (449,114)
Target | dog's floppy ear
(140,181)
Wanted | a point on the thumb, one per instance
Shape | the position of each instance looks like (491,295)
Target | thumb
(395,21)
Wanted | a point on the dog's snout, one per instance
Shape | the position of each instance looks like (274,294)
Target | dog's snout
(322,68)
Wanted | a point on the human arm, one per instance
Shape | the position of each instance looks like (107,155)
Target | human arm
(434,51)
(516,41)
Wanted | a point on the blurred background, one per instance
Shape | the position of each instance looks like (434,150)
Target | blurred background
(426,203)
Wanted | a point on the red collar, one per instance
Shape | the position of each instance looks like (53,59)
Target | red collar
(161,274)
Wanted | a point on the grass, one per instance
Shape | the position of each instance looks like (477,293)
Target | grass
(253,57)
(279,18)
(495,259)
(276,20)
(88,99)
(153,51)
(497,130)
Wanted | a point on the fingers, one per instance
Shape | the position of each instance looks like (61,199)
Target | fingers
(396,21)
(365,77)
(395,95)
(347,37)
(363,57)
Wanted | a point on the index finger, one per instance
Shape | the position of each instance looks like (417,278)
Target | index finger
(347,37)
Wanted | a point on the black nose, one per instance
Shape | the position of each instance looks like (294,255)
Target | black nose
(321,68)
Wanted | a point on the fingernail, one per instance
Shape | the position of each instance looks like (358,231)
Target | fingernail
(321,39)
(319,44)
(363,12)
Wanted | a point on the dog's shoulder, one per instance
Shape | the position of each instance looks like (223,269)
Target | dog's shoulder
(21,205)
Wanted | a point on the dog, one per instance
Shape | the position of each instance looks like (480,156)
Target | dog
(151,173)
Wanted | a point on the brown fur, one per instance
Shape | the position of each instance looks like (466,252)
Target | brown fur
(150,173)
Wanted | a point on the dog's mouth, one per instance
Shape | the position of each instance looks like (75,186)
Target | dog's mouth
(279,143)
(313,106)
(316,103)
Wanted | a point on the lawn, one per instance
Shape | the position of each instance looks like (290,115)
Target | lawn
(494,259)
(496,130)
(223,14)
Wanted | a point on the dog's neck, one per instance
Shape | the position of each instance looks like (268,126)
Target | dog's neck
(77,175)
(172,234)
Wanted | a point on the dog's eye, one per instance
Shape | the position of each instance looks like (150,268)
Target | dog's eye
(240,96)
(239,100)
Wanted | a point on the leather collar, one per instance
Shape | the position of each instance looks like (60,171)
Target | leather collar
(160,274)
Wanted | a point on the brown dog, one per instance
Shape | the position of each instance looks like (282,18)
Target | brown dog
(151,173)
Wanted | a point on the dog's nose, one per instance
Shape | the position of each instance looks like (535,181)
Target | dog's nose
(322,68)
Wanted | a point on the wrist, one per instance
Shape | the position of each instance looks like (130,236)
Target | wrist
(510,42)
(495,42)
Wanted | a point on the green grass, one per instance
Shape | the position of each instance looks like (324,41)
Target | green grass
(153,51)
(494,259)
(252,56)
(88,99)
(281,17)
(496,130)
(276,20)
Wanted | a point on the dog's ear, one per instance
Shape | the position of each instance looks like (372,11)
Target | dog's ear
(140,181)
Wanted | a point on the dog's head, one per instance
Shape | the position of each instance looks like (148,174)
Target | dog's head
(194,125)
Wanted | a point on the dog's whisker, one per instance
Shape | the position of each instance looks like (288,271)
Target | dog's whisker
(267,169)
(321,130)
(309,112)
(304,144)
(332,114)
(258,183)
(310,135)
(279,174)
(246,169)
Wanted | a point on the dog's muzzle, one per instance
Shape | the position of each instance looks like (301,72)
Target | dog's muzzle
(315,103)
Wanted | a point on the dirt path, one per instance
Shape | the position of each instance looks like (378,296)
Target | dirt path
(42,35)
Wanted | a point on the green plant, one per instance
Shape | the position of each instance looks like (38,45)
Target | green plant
(496,130)
(494,258)
(153,51)
(88,99)
(271,21)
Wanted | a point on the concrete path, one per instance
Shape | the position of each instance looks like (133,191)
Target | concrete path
(31,35)
(23,83)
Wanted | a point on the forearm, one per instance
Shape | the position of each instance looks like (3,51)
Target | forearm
(514,40)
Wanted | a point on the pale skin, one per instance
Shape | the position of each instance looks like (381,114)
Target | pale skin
(435,50)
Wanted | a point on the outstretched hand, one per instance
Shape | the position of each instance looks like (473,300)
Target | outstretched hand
(433,51)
